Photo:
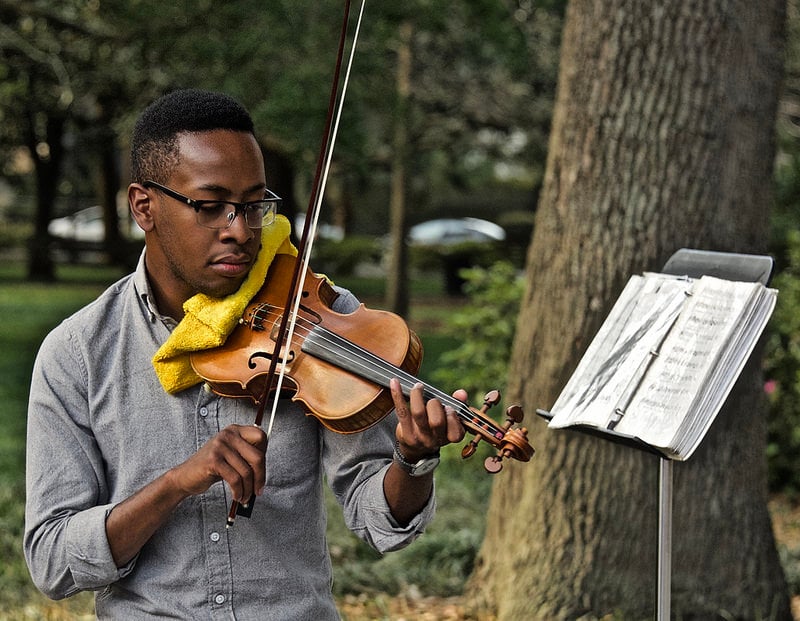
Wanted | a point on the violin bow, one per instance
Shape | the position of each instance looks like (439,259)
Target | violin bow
(305,245)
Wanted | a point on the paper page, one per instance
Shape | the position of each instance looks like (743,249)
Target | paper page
(725,372)
(643,313)
(687,360)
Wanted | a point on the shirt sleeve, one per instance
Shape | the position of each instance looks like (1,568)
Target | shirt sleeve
(67,496)
(355,465)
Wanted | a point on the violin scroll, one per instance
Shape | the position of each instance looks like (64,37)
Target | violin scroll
(511,442)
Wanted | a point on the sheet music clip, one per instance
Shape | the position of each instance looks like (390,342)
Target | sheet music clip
(615,418)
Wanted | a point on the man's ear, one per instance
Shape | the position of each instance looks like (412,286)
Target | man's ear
(141,204)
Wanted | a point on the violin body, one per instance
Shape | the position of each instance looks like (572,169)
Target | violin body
(340,400)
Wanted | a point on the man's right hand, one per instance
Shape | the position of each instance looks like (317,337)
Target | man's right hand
(235,455)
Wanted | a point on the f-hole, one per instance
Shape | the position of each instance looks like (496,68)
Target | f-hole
(252,364)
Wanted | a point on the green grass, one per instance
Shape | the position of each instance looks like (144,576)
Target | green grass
(438,563)
(29,311)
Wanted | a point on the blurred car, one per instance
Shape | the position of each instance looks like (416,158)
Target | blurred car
(86,225)
(324,231)
(447,231)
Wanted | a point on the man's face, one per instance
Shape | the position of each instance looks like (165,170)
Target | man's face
(185,258)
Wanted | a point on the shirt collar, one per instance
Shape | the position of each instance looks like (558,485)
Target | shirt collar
(145,292)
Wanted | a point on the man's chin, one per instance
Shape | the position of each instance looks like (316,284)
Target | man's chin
(224,289)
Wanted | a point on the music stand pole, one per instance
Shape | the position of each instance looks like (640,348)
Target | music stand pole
(664,539)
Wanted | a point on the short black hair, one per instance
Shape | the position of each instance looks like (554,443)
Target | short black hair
(154,144)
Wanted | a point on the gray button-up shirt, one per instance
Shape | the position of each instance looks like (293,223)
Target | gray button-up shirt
(100,427)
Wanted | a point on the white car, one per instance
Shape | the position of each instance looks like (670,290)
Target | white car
(86,225)
(446,231)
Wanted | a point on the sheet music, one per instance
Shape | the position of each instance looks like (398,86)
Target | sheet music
(662,364)
(687,361)
(644,312)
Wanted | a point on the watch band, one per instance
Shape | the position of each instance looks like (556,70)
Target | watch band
(423,466)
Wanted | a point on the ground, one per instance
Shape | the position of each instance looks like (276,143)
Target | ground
(405,608)
(413,607)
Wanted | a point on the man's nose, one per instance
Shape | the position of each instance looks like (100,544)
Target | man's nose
(239,229)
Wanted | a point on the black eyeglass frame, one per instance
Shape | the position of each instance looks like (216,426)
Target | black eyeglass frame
(239,208)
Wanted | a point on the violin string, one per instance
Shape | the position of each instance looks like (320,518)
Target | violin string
(367,361)
(366,364)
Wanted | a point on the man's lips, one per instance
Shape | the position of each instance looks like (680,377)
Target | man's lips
(232,265)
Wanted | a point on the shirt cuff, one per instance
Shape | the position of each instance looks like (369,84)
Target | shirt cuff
(386,534)
(88,552)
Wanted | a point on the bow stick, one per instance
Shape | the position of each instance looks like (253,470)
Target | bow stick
(305,245)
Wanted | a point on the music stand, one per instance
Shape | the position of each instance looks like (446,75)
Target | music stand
(694,264)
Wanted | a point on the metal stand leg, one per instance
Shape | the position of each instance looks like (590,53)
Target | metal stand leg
(664,540)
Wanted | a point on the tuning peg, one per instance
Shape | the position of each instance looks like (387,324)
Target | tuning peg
(490,399)
(510,441)
(515,414)
(515,442)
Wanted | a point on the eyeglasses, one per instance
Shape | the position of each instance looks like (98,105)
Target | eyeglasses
(214,214)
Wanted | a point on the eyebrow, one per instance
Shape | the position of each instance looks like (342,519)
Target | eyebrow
(219,189)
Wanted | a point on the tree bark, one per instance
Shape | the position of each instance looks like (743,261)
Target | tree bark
(662,138)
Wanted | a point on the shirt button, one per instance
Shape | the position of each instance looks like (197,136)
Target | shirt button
(214,536)
(203,411)
(220,599)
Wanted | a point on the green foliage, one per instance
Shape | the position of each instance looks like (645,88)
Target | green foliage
(790,560)
(782,355)
(453,259)
(92,66)
(29,311)
(782,371)
(13,234)
(485,330)
(340,258)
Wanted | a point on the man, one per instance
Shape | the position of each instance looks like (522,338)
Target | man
(130,471)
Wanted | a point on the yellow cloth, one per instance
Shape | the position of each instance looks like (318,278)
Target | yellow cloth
(208,321)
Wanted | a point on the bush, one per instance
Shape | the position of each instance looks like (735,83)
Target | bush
(782,373)
(518,226)
(14,235)
(454,259)
(440,562)
(485,328)
(340,258)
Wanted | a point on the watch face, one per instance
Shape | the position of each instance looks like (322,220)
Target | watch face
(424,466)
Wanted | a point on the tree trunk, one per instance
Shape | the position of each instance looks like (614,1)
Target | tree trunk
(280,176)
(397,272)
(108,183)
(662,138)
(47,152)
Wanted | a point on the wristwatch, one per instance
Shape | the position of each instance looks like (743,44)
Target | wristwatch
(423,466)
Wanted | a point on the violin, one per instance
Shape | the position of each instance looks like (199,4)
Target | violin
(338,366)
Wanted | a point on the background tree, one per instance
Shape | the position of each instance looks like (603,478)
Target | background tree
(662,138)
(473,66)
(70,71)
(38,94)
(459,110)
